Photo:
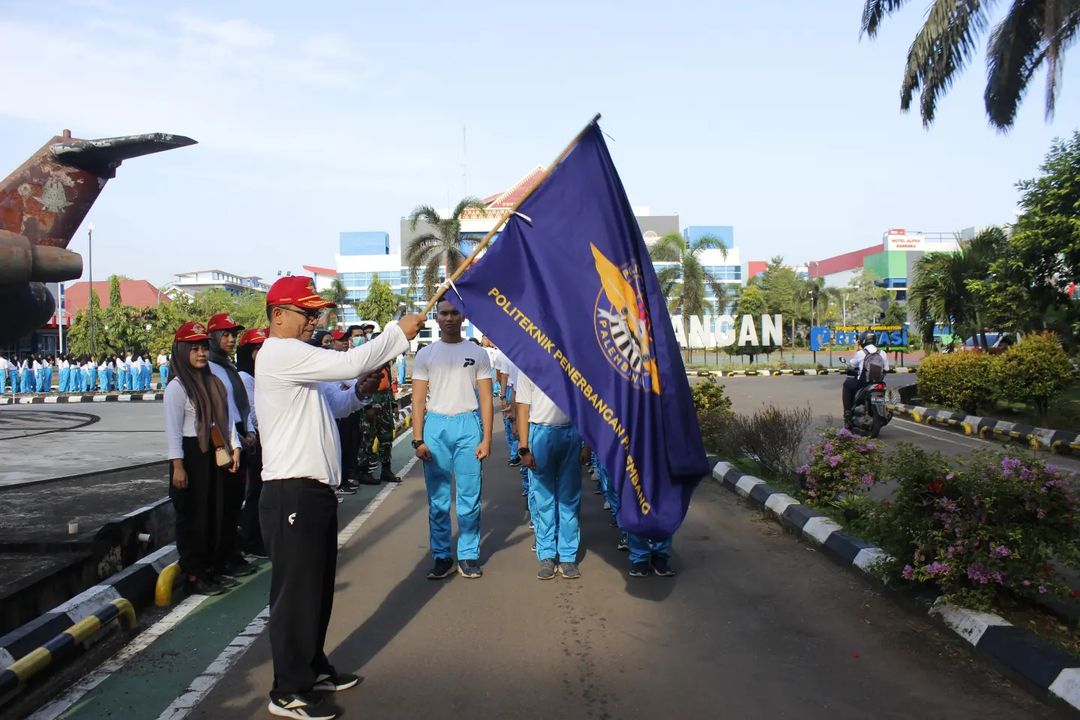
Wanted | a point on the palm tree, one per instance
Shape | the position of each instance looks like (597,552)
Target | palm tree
(684,283)
(337,293)
(944,286)
(440,248)
(817,298)
(1033,33)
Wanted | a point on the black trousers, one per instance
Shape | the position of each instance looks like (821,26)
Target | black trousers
(349,432)
(250,527)
(852,385)
(234,487)
(198,509)
(299,522)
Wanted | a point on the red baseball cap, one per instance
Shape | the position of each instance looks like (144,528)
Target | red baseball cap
(223,321)
(338,334)
(193,331)
(254,336)
(296,290)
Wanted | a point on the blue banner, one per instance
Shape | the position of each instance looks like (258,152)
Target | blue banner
(569,293)
(889,337)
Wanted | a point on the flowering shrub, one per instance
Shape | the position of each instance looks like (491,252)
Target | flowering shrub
(992,527)
(841,464)
(714,416)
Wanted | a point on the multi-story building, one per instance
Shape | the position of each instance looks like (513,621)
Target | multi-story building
(193,283)
(891,261)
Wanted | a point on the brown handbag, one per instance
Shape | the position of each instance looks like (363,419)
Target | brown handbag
(221,454)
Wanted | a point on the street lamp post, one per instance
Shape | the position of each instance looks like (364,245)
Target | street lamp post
(90,295)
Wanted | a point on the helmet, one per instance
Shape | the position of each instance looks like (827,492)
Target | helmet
(867,338)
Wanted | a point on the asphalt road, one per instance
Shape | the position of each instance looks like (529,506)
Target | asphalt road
(822,395)
(756,625)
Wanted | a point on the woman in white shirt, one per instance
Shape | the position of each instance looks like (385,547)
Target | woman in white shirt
(196,405)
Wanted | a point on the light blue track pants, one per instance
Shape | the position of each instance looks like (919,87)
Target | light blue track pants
(452,440)
(641,548)
(555,491)
(163,375)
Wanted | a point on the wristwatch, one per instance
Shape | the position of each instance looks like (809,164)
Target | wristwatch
(417,443)
(523,451)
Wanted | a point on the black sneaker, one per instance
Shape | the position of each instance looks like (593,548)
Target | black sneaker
(227,582)
(301,705)
(335,683)
(239,567)
(640,569)
(366,478)
(345,489)
(387,475)
(444,567)
(469,569)
(547,569)
(623,545)
(661,567)
(203,586)
(514,462)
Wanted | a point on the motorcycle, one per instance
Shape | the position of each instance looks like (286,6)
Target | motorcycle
(869,411)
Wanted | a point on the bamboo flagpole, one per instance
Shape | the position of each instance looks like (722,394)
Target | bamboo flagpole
(441,290)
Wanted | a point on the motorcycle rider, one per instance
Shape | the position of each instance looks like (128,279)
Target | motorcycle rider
(858,370)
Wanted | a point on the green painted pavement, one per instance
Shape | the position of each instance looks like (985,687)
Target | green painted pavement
(146,685)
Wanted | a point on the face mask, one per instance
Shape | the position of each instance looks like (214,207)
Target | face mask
(358,341)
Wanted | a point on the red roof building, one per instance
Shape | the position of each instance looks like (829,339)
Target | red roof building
(133,293)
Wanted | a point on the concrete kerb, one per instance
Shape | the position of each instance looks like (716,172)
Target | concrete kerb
(802,372)
(84,398)
(1021,651)
(134,584)
(1056,441)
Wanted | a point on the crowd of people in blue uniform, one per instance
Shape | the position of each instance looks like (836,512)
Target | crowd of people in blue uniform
(38,374)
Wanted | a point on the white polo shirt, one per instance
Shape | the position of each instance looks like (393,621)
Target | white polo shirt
(296,422)
(452,371)
(542,410)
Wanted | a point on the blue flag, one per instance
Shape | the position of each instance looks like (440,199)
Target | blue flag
(569,293)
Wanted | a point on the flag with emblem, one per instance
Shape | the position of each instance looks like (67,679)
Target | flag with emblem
(569,293)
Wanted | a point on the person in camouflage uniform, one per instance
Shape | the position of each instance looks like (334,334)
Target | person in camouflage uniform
(377,425)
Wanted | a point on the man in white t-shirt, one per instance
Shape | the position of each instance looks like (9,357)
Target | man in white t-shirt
(301,468)
(452,412)
(551,449)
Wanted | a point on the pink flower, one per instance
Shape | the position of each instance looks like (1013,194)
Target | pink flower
(834,460)
(908,573)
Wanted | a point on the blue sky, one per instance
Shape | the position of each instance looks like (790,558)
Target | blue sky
(319,117)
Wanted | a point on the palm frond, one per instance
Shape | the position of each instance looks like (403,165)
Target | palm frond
(669,248)
(1012,56)
(466,203)
(425,213)
(874,11)
(431,275)
(940,50)
(708,242)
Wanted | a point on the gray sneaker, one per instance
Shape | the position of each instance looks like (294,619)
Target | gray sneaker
(469,569)
(547,569)
(569,570)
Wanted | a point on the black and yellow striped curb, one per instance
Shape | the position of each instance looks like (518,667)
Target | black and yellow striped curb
(784,372)
(63,646)
(1057,441)
(1020,650)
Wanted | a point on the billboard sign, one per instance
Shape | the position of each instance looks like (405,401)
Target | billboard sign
(889,337)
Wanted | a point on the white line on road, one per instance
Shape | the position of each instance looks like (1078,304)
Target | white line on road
(934,437)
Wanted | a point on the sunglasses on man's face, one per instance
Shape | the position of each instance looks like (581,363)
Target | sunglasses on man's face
(309,314)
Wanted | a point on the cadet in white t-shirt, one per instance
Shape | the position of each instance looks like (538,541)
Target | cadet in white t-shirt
(452,413)
(551,450)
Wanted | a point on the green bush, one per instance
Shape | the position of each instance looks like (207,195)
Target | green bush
(1033,371)
(961,380)
(842,464)
(714,415)
(989,529)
